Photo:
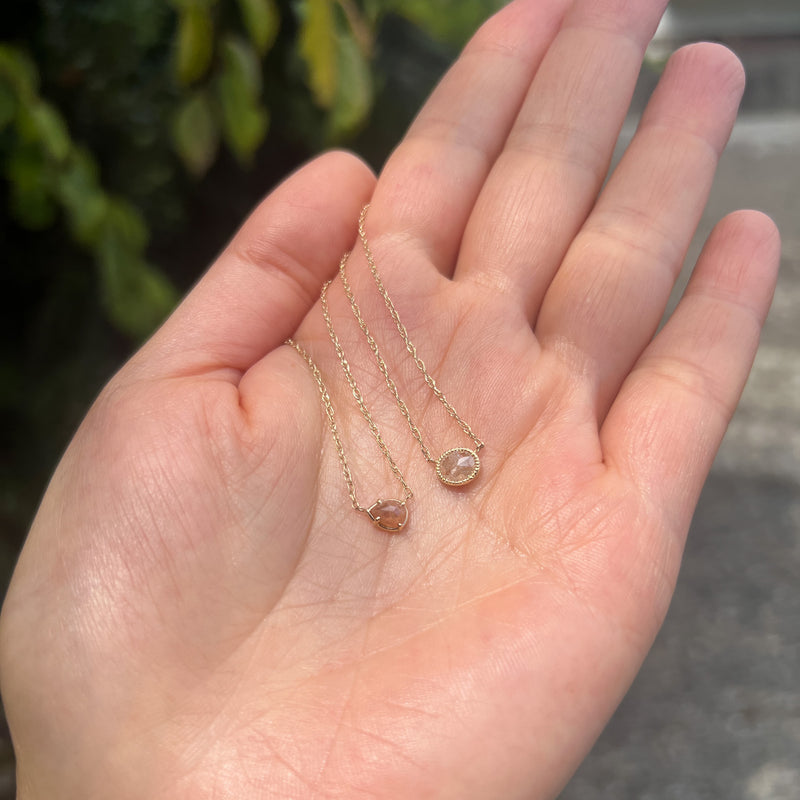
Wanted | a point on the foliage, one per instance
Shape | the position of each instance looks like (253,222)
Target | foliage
(447,20)
(125,125)
(47,171)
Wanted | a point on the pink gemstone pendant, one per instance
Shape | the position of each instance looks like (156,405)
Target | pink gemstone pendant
(458,466)
(389,515)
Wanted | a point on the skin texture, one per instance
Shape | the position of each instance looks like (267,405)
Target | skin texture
(198,611)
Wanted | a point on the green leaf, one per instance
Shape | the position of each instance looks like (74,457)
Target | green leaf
(18,70)
(374,10)
(126,224)
(318,49)
(40,124)
(51,130)
(240,60)
(354,91)
(245,120)
(195,42)
(449,21)
(245,124)
(31,200)
(136,295)
(195,133)
(261,20)
(78,190)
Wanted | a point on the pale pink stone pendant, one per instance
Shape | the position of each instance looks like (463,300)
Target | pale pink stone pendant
(389,515)
(458,466)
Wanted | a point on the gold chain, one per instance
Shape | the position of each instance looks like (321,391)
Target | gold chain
(455,467)
(331,415)
(381,363)
(412,350)
(359,398)
(389,515)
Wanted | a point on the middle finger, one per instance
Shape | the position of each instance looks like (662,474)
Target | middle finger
(546,180)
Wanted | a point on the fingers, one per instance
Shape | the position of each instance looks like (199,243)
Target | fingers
(609,294)
(429,185)
(666,424)
(268,277)
(546,180)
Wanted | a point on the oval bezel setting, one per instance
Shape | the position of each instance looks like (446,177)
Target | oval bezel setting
(463,477)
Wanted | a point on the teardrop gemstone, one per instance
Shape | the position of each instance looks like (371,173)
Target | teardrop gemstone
(458,466)
(389,515)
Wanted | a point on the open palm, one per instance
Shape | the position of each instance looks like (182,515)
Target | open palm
(199,612)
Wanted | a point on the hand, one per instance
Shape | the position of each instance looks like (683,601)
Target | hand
(199,612)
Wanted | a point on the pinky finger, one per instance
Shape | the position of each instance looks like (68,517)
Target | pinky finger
(670,415)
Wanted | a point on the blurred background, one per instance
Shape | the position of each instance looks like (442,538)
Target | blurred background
(135,135)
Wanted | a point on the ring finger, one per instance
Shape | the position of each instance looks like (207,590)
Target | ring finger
(607,299)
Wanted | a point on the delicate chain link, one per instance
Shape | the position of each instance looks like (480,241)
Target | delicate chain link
(329,412)
(351,381)
(401,329)
(359,398)
(380,362)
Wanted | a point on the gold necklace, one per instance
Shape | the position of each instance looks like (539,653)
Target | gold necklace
(389,515)
(456,466)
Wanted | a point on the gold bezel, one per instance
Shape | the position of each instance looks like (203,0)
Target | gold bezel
(471,477)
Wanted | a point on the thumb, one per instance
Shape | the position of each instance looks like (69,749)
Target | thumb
(268,277)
